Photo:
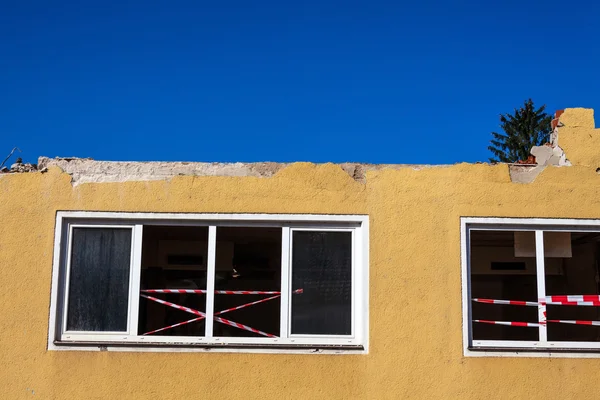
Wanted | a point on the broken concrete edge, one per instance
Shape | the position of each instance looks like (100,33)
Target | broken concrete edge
(86,170)
(20,167)
(548,154)
(524,173)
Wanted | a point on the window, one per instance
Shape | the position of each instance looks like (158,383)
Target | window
(531,284)
(209,280)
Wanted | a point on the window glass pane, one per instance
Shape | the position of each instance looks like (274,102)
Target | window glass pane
(173,258)
(572,268)
(248,259)
(503,267)
(99,279)
(322,268)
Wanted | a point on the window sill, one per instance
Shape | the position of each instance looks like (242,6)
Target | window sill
(206,348)
(541,352)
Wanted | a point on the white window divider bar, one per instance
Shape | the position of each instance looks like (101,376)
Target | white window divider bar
(210,280)
(67,279)
(134,279)
(285,283)
(541,285)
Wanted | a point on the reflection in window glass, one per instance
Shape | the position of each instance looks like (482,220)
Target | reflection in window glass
(248,259)
(173,257)
(322,267)
(503,267)
(572,268)
(99,280)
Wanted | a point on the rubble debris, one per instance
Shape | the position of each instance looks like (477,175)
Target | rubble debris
(529,161)
(525,171)
(19,167)
(549,154)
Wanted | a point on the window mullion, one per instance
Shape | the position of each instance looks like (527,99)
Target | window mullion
(357,314)
(210,280)
(541,285)
(285,282)
(67,279)
(134,279)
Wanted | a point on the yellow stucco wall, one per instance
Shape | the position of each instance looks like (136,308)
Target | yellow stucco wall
(415,283)
(578,137)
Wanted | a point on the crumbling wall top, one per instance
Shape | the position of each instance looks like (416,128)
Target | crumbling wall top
(578,137)
(572,128)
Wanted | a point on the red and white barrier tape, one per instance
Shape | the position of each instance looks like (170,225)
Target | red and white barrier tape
(574,303)
(247,305)
(575,298)
(554,302)
(200,291)
(574,322)
(217,313)
(242,326)
(218,319)
(531,324)
(177,306)
(510,302)
(174,325)
(509,323)
(297,291)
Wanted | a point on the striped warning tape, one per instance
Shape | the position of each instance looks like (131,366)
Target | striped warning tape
(554,302)
(574,303)
(201,291)
(242,326)
(217,313)
(218,319)
(173,326)
(511,302)
(575,322)
(177,306)
(575,298)
(297,291)
(508,323)
(533,325)
(247,305)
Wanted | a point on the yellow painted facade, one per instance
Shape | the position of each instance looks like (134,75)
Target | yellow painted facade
(415,345)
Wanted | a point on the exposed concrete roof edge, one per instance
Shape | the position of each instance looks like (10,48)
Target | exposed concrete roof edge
(87,170)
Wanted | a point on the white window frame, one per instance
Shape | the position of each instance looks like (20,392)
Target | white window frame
(60,339)
(542,347)
(301,337)
(134,277)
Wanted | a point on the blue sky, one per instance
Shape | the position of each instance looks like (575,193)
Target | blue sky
(376,81)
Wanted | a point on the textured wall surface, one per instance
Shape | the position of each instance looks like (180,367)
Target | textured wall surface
(415,274)
(578,137)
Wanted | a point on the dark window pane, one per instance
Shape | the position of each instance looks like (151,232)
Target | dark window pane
(248,259)
(503,267)
(99,279)
(322,267)
(173,257)
(572,263)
